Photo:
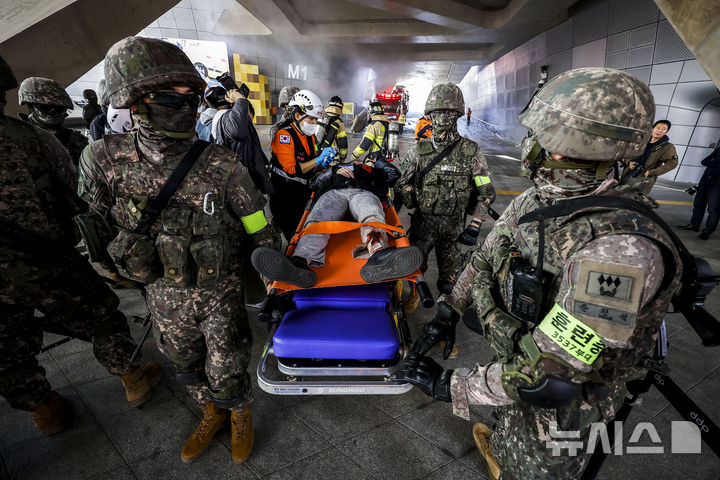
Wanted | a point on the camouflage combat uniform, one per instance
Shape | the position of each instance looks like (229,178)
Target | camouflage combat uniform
(609,276)
(46,92)
(190,260)
(441,198)
(39,267)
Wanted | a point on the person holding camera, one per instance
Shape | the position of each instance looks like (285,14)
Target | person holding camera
(232,126)
(707,197)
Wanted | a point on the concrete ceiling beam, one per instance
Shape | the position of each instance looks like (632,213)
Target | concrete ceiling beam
(698,24)
(71,41)
(449,12)
(347,27)
(279,20)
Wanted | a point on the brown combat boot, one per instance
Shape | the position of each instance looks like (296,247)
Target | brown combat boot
(49,416)
(213,419)
(481,433)
(241,438)
(139,383)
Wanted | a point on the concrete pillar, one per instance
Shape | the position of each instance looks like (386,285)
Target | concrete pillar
(698,24)
(74,39)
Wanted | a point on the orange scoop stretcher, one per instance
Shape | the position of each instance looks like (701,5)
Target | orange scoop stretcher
(341,268)
(344,335)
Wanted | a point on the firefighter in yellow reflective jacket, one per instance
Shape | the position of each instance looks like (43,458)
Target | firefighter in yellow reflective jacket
(373,142)
(335,135)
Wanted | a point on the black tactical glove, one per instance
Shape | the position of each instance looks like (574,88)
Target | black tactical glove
(469,236)
(273,308)
(440,328)
(426,374)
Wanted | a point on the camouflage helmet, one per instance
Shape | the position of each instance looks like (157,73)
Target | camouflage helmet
(286,93)
(43,91)
(135,66)
(445,96)
(7,79)
(597,114)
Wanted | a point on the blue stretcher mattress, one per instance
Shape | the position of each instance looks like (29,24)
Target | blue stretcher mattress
(367,298)
(332,334)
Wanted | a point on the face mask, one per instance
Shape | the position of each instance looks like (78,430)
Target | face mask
(172,122)
(309,128)
(50,117)
(444,127)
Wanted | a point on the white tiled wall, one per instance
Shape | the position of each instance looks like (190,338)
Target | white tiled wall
(630,35)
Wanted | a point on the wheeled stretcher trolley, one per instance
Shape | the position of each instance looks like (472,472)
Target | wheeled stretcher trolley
(344,335)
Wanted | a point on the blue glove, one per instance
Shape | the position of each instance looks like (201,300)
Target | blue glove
(326,157)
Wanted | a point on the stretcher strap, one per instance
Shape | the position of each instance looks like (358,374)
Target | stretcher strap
(337,226)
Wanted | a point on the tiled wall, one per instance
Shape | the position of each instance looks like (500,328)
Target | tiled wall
(630,35)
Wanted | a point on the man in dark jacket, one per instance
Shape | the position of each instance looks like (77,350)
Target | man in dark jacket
(360,189)
(707,197)
(659,158)
(234,129)
(99,125)
(92,107)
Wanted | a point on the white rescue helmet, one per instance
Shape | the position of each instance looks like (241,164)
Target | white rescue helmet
(307,103)
(120,120)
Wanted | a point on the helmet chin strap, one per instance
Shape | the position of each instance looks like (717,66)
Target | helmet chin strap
(144,115)
(537,156)
(601,168)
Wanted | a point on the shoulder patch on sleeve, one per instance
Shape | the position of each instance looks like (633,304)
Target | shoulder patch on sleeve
(469,148)
(425,147)
(285,139)
(608,298)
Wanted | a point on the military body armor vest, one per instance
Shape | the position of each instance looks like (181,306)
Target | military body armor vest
(445,190)
(194,238)
(28,197)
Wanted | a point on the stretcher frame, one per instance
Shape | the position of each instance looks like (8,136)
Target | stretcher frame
(343,378)
(354,379)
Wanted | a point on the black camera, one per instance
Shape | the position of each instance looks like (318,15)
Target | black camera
(229,84)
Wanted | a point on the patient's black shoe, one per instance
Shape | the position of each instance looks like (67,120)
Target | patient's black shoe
(276,266)
(391,263)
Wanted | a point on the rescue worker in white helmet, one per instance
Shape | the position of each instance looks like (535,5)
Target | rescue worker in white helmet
(295,159)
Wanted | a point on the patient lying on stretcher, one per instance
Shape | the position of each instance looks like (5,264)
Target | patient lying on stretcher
(359,189)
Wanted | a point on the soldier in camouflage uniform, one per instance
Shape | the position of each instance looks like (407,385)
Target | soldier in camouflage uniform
(40,269)
(190,259)
(441,198)
(286,93)
(608,278)
(48,104)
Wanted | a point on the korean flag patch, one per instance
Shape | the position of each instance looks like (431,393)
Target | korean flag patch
(285,139)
